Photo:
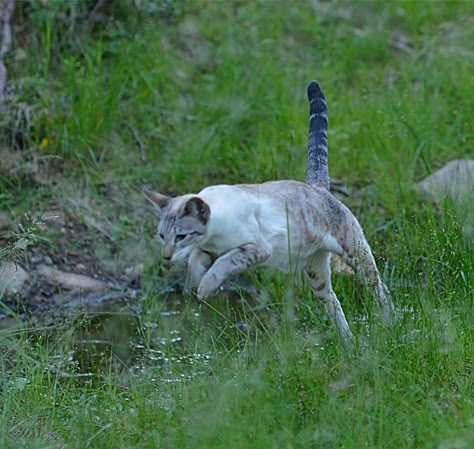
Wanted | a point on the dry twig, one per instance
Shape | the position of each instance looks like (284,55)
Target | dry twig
(140,143)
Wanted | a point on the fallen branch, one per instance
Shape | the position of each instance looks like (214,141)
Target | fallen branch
(71,280)
(6,11)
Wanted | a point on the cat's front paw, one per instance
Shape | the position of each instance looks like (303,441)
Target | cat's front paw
(208,285)
(187,289)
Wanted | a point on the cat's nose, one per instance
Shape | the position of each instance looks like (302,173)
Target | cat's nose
(167,253)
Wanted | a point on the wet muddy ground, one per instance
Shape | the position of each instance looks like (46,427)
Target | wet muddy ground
(72,260)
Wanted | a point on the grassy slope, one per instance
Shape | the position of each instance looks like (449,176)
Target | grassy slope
(219,96)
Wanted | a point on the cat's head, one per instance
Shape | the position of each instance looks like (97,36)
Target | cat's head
(182,223)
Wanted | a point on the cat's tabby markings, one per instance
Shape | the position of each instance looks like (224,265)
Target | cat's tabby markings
(289,225)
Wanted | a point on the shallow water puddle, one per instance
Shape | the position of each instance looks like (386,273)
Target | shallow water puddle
(125,341)
(121,342)
(169,339)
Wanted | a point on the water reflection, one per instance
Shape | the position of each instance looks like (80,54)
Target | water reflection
(169,340)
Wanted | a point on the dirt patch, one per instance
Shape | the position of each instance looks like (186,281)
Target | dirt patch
(75,260)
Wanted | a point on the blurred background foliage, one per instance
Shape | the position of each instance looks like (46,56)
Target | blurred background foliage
(185,93)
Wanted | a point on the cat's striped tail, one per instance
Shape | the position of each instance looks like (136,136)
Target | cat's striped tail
(317,168)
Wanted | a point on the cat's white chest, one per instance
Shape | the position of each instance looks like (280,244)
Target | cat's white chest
(233,219)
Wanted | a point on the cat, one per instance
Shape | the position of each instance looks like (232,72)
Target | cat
(288,225)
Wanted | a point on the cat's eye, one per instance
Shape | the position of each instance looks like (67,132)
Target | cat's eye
(162,237)
(180,237)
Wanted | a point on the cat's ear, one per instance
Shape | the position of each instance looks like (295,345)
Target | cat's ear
(198,209)
(157,199)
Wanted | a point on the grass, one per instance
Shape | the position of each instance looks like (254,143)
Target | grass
(181,95)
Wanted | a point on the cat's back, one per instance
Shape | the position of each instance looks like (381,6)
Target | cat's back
(271,190)
(285,190)
(268,212)
(273,201)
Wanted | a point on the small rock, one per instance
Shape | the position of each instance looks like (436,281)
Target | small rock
(56,218)
(35,260)
(13,277)
(134,271)
(4,222)
(455,181)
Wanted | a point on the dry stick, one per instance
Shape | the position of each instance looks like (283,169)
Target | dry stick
(6,11)
(140,143)
(91,15)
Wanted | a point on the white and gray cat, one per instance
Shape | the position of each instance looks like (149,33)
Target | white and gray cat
(289,225)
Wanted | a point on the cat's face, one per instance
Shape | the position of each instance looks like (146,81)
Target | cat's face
(182,223)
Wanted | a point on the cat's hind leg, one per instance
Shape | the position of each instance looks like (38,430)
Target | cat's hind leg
(357,254)
(320,277)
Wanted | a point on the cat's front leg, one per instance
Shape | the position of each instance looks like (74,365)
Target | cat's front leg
(234,261)
(197,265)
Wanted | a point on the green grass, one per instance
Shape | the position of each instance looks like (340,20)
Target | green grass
(215,92)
